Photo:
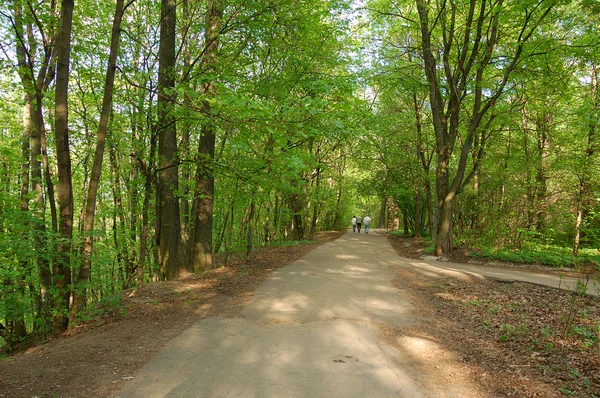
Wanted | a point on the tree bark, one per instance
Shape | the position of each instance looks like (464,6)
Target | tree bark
(62,268)
(382,212)
(169,222)
(205,188)
(584,198)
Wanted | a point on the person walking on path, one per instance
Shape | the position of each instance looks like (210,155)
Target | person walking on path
(353,223)
(367,221)
(359,221)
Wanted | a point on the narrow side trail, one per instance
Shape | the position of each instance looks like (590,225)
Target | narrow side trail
(315,328)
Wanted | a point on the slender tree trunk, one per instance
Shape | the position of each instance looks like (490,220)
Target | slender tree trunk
(205,188)
(584,198)
(315,215)
(120,239)
(79,296)
(382,212)
(418,214)
(62,269)
(250,235)
(169,223)
(229,211)
(543,129)
(19,331)
(276,231)
(186,173)
(33,96)
(145,227)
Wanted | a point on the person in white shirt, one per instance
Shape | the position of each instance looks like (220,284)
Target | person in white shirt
(353,223)
(367,221)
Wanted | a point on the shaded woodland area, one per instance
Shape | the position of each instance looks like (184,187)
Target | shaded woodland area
(140,138)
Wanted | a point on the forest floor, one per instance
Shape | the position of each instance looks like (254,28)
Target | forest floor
(513,339)
(518,339)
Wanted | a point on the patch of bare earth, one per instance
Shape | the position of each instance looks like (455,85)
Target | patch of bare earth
(92,359)
(515,339)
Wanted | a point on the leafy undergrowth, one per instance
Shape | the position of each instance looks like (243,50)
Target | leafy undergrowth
(544,254)
(519,339)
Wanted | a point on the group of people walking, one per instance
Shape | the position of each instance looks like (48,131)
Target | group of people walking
(358,221)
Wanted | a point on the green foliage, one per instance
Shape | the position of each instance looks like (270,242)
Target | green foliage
(542,254)
(107,306)
(512,332)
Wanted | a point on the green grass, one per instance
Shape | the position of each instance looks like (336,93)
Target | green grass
(290,243)
(555,256)
(396,233)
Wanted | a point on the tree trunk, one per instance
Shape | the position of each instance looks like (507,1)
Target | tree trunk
(298,231)
(33,96)
(19,331)
(145,227)
(382,213)
(250,235)
(185,152)
(205,188)
(584,198)
(315,215)
(62,268)
(418,214)
(79,296)
(169,223)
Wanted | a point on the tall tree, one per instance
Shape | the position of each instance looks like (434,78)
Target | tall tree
(169,223)
(205,179)
(459,46)
(79,295)
(62,269)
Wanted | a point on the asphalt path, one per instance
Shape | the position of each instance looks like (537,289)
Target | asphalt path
(315,328)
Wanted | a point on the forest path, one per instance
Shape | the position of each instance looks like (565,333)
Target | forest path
(435,268)
(315,328)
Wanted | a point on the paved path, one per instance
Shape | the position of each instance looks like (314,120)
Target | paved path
(468,271)
(313,329)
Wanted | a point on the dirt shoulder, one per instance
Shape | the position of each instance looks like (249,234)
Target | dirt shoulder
(94,358)
(516,339)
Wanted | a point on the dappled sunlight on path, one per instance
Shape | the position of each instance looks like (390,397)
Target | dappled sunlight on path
(313,329)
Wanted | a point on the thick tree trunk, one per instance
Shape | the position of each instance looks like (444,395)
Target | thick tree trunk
(205,188)
(443,243)
(79,296)
(169,223)
(298,230)
(62,268)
